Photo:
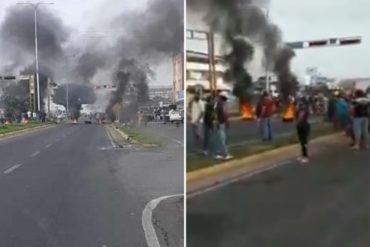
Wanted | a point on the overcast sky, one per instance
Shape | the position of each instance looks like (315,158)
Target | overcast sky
(81,16)
(316,19)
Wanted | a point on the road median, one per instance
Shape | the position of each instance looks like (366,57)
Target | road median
(19,129)
(138,136)
(202,171)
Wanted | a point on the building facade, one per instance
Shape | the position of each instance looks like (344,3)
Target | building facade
(178,77)
(164,92)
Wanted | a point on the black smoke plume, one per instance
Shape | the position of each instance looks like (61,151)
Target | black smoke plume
(232,18)
(89,63)
(132,83)
(18,37)
(160,30)
(241,53)
(78,94)
(288,82)
(15,98)
(159,34)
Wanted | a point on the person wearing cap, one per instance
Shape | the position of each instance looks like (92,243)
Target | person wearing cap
(222,124)
(196,118)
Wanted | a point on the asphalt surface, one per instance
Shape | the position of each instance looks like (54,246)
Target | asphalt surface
(323,204)
(67,186)
(242,132)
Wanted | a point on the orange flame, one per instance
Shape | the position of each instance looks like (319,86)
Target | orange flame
(288,115)
(246,110)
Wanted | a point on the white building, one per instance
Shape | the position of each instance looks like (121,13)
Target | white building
(197,72)
(161,91)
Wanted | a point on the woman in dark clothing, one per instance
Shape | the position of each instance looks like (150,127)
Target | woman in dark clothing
(303,128)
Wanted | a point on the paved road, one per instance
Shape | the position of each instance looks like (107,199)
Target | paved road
(67,186)
(324,204)
(241,132)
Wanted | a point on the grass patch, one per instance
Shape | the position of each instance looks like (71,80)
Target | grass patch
(4,129)
(198,161)
(141,135)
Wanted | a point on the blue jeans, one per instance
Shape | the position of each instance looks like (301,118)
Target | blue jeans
(361,129)
(221,134)
(265,129)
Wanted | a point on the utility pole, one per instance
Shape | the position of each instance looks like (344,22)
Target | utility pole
(211,58)
(211,54)
(67,99)
(35,7)
(48,90)
(267,61)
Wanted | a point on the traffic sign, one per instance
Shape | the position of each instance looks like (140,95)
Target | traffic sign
(330,42)
(105,86)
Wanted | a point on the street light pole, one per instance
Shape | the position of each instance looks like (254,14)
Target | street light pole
(37,63)
(35,6)
(267,62)
(67,98)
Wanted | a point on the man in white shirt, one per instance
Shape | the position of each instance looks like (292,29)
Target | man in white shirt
(196,118)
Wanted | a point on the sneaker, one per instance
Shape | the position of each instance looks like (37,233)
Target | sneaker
(228,157)
(355,147)
(304,160)
(299,158)
(218,157)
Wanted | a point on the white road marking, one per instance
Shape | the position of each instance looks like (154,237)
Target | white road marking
(221,184)
(110,138)
(58,139)
(35,154)
(11,169)
(147,220)
(49,145)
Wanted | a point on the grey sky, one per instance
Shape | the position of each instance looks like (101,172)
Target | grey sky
(315,19)
(93,18)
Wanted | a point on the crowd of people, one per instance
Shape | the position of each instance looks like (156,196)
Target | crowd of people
(22,117)
(209,124)
(209,119)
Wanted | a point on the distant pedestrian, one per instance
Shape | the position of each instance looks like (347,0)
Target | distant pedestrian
(303,128)
(222,126)
(361,120)
(265,113)
(342,110)
(196,118)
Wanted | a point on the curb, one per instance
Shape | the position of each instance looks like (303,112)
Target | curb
(24,131)
(238,164)
(125,136)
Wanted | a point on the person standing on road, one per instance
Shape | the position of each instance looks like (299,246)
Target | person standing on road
(303,127)
(196,118)
(208,126)
(266,111)
(222,125)
(342,112)
(360,120)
